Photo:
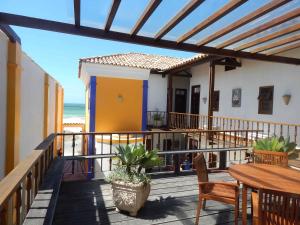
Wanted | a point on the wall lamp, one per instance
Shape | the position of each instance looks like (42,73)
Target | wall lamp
(286,98)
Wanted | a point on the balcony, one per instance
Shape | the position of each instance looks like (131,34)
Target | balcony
(70,188)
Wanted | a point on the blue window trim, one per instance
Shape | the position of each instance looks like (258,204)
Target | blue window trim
(145,105)
(92,124)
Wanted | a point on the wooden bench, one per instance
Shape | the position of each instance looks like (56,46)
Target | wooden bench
(43,207)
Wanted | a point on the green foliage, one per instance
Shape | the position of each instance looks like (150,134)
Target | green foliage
(157,117)
(120,174)
(132,160)
(275,144)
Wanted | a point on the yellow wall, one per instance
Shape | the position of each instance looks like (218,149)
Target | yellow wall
(13,106)
(59,99)
(87,111)
(46,100)
(118,104)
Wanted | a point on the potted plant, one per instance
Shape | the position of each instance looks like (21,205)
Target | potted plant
(157,118)
(130,185)
(273,150)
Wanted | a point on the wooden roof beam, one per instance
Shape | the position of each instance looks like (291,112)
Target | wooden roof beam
(112,13)
(190,7)
(276,21)
(233,4)
(153,4)
(269,37)
(244,20)
(77,12)
(277,43)
(10,33)
(42,24)
(283,49)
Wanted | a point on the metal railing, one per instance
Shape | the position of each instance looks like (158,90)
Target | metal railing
(195,121)
(96,151)
(156,119)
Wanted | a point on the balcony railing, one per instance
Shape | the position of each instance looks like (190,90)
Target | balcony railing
(94,152)
(156,119)
(195,121)
(19,188)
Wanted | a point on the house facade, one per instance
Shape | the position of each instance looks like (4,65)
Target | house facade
(253,90)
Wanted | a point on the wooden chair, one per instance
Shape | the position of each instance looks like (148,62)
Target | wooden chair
(275,208)
(224,192)
(271,158)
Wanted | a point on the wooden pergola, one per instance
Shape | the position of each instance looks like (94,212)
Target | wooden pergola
(267,46)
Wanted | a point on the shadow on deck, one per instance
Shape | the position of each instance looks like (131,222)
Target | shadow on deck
(172,200)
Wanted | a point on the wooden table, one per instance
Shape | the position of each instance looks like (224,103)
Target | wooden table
(264,176)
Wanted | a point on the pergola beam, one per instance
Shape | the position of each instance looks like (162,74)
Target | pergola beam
(277,43)
(77,12)
(284,49)
(244,20)
(278,20)
(153,4)
(30,22)
(190,7)
(233,4)
(269,37)
(10,33)
(112,13)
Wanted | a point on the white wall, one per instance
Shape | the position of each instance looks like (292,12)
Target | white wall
(252,75)
(51,106)
(32,106)
(157,92)
(3,91)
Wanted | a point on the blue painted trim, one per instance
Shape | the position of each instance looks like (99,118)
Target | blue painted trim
(145,105)
(92,124)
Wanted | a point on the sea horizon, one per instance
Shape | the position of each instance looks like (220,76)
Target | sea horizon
(74,113)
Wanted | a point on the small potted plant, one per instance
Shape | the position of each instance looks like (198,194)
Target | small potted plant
(157,118)
(273,150)
(130,185)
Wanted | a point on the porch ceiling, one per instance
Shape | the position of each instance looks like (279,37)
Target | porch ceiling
(213,27)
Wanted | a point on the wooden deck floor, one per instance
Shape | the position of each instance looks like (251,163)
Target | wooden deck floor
(172,201)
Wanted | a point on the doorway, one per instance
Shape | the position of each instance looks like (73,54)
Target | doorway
(195,99)
(180,100)
(195,104)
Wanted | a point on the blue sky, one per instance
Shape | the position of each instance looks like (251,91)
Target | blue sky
(59,54)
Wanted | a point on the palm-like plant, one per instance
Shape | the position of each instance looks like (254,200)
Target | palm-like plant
(136,158)
(275,144)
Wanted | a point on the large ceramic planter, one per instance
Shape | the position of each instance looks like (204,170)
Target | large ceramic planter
(130,197)
(157,123)
(270,157)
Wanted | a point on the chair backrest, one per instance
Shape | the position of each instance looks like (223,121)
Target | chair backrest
(201,168)
(271,158)
(278,208)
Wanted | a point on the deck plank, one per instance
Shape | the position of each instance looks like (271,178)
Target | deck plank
(172,200)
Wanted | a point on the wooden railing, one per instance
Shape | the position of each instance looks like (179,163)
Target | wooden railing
(20,186)
(156,119)
(195,121)
(97,152)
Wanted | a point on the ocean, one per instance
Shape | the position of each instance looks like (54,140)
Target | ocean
(74,113)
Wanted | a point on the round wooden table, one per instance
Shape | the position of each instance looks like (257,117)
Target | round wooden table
(264,176)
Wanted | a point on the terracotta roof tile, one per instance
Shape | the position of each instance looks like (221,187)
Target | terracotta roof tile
(143,61)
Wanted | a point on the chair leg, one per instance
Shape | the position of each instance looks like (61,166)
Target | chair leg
(198,210)
(236,212)
(204,204)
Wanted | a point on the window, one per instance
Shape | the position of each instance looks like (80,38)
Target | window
(265,100)
(215,101)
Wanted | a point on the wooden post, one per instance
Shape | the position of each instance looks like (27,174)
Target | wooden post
(169,98)
(210,98)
